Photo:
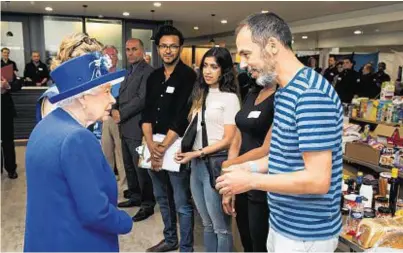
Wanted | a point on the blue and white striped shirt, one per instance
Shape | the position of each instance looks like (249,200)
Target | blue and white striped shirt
(308,117)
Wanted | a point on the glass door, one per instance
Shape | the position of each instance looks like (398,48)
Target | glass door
(12,37)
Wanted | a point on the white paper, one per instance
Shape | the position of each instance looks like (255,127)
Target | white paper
(168,163)
(170,89)
(254,114)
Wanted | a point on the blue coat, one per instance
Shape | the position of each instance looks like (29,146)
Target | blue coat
(71,190)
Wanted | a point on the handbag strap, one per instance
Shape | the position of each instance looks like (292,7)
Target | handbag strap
(203,120)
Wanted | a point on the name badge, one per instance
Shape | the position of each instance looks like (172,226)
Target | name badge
(358,80)
(254,114)
(40,69)
(170,89)
(331,73)
(339,78)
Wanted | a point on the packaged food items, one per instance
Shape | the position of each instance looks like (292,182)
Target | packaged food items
(384,185)
(373,231)
(387,91)
(349,201)
(387,157)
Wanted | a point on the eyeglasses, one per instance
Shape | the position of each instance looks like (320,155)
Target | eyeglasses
(170,47)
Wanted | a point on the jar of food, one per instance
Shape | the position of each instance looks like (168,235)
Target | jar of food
(381,202)
(369,213)
(384,186)
(384,212)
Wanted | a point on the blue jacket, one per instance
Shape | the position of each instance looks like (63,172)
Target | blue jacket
(71,190)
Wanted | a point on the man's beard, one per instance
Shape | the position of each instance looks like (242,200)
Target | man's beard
(171,62)
(267,77)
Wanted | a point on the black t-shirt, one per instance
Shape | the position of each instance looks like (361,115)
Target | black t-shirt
(36,72)
(254,121)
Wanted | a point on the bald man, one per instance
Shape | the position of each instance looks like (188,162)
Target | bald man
(127,113)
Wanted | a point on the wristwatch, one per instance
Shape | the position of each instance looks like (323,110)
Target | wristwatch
(202,154)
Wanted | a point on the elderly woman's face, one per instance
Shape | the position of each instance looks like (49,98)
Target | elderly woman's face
(99,105)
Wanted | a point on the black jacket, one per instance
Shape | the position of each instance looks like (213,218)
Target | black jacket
(330,73)
(347,85)
(131,101)
(36,73)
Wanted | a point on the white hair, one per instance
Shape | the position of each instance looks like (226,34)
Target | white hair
(70,100)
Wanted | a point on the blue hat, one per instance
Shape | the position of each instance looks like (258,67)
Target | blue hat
(83,73)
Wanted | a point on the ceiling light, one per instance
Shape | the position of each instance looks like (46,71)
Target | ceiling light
(196,28)
(126,13)
(265,11)
(48,9)
(224,21)
(304,37)
(157,4)
(357,32)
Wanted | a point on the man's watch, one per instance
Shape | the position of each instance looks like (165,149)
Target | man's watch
(202,154)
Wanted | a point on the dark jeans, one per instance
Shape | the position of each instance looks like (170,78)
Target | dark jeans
(172,192)
(253,220)
(7,144)
(138,180)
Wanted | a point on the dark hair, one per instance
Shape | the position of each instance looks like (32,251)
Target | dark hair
(227,82)
(382,64)
(339,63)
(168,30)
(350,60)
(266,25)
(332,56)
(5,48)
(310,61)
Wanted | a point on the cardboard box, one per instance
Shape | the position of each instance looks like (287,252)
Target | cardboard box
(389,135)
(363,152)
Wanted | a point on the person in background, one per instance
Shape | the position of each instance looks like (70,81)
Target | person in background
(5,60)
(147,58)
(36,73)
(367,86)
(166,111)
(303,174)
(252,142)
(8,113)
(347,82)
(312,63)
(110,137)
(218,90)
(381,76)
(72,197)
(127,113)
(331,72)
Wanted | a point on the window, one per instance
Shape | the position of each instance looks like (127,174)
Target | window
(145,36)
(108,32)
(12,38)
(56,29)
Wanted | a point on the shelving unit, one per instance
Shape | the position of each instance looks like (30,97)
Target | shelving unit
(375,122)
(375,168)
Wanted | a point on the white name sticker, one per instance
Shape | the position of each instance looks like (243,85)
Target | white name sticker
(254,114)
(40,69)
(170,89)
(331,73)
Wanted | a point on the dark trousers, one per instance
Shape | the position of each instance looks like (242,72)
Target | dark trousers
(253,221)
(7,144)
(138,180)
(172,192)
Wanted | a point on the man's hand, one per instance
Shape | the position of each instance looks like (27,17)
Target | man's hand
(228,204)
(159,151)
(28,79)
(116,116)
(234,182)
(156,164)
(38,84)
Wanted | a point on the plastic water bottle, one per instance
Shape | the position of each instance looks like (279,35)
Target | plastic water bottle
(356,215)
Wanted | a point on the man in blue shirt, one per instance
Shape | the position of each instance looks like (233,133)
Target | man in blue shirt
(304,168)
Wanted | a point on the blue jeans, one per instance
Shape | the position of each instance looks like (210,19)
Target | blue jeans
(217,225)
(172,193)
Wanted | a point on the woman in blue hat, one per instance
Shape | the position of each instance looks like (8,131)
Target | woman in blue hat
(72,196)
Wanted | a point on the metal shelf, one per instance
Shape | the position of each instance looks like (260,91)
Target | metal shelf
(375,122)
(375,168)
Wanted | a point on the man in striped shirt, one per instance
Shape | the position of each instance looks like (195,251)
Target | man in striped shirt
(304,172)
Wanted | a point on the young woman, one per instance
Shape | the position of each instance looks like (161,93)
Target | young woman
(252,141)
(217,83)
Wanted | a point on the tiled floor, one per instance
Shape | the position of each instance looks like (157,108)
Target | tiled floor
(13,201)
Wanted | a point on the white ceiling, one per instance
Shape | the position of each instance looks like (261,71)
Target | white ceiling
(188,14)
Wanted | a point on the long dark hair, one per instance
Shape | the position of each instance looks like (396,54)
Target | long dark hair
(227,81)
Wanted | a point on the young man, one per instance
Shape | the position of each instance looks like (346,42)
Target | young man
(166,112)
(303,175)
(331,71)
(348,81)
